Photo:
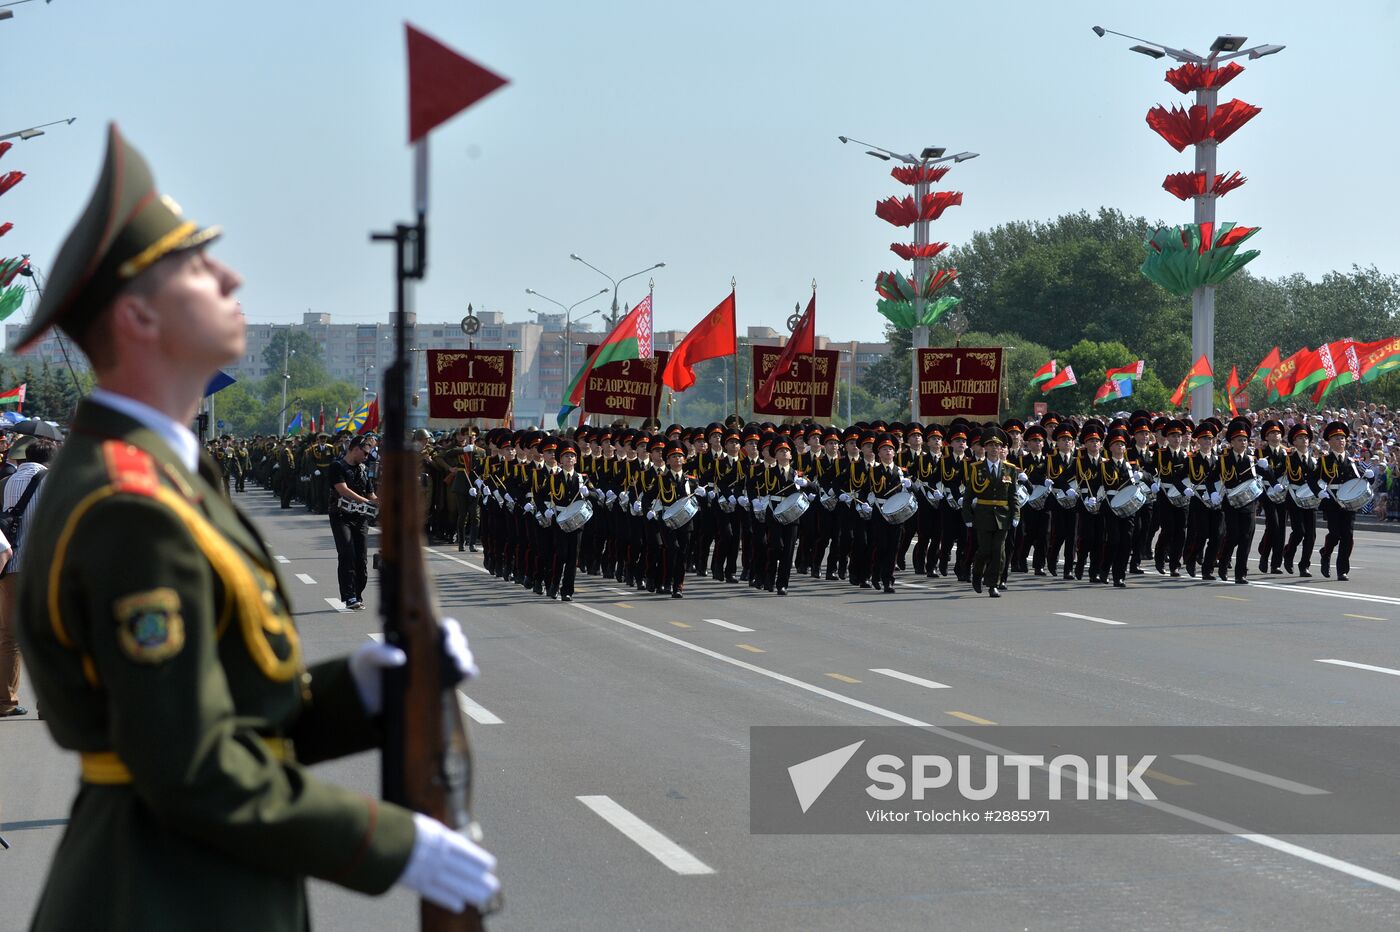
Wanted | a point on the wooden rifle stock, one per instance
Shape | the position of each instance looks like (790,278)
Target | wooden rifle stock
(427,763)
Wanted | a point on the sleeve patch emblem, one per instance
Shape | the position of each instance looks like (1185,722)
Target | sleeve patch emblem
(150,628)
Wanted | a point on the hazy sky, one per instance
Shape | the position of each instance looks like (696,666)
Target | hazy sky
(699,134)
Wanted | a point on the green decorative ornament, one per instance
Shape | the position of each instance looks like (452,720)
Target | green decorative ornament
(1182,259)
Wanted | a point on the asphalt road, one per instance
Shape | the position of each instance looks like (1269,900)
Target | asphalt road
(612,742)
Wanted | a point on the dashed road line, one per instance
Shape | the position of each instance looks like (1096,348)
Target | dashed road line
(1256,776)
(1166,778)
(751,649)
(336,604)
(910,678)
(843,678)
(281,559)
(1362,617)
(1362,666)
(1330,593)
(725,624)
(647,838)
(1232,598)
(1102,621)
(622,605)
(680,624)
(306,579)
(974,719)
(475,711)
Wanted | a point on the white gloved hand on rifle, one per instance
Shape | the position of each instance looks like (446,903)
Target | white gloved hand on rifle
(369,661)
(448,869)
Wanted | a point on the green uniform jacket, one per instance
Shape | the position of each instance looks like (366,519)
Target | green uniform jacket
(990,506)
(155,628)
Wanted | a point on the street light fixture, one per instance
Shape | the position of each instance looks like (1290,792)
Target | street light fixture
(568,320)
(615,281)
(32,131)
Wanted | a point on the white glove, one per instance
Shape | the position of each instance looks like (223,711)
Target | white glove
(1090,501)
(1215,498)
(549,513)
(651,516)
(969,524)
(636,508)
(1049,483)
(905,482)
(1022,477)
(811,496)
(478,483)
(509,500)
(801,482)
(1156,486)
(1322,487)
(1015,522)
(623,498)
(870,498)
(368,662)
(1324,494)
(1135,475)
(612,496)
(711,494)
(1072,492)
(529,508)
(472,492)
(447,868)
(276,466)
(1278,487)
(316,473)
(844,498)
(744,500)
(733,500)
(1190,491)
(1369,473)
(937,495)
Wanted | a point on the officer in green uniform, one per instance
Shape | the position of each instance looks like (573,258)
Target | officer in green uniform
(990,508)
(159,637)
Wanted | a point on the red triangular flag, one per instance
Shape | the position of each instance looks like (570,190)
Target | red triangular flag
(801,343)
(441,83)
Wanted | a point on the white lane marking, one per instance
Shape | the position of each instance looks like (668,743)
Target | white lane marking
(649,839)
(281,559)
(336,604)
(1264,841)
(912,585)
(1362,666)
(475,710)
(1257,776)
(726,624)
(306,579)
(910,678)
(1357,596)
(1102,621)
(447,556)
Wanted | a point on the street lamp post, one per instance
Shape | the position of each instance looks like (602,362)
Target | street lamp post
(287,354)
(568,319)
(1222,49)
(33,131)
(928,156)
(612,319)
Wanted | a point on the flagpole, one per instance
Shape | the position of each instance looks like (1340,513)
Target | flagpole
(812,360)
(734,289)
(654,389)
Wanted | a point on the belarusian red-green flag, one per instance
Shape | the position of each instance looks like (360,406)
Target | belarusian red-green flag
(1130,371)
(1045,372)
(1266,365)
(14,396)
(1318,366)
(1280,381)
(1063,380)
(1199,375)
(1378,358)
(630,339)
(1232,389)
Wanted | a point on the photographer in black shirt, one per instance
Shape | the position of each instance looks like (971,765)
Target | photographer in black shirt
(349,479)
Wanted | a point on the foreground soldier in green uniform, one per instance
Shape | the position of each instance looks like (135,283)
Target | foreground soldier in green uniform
(159,637)
(990,508)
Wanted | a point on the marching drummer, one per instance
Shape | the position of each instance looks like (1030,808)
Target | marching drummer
(1170,480)
(1116,473)
(1203,519)
(1336,468)
(1300,472)
(886,481)
(673,485)
(1237,469)
(563,487)
(776,484)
